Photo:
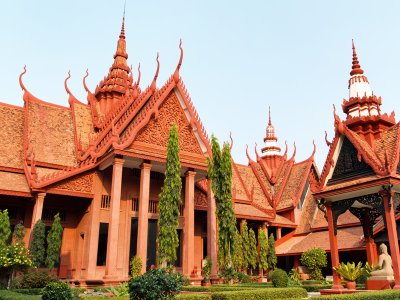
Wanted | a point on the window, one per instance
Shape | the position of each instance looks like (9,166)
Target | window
(135,204)
(105,201)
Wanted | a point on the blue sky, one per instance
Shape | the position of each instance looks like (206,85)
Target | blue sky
(240,57)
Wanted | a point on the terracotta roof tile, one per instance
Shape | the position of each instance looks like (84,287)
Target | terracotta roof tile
(344,219)
(50,134)
(388,141)
(11,136)
(293,187)
(307,214)
(349,183)
(13,182)
(280,220)
(238,190)
(348,238)
(251,182)
(83,123)
(249,210)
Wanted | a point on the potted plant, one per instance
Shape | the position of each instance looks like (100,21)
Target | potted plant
(206,271)
(350,272)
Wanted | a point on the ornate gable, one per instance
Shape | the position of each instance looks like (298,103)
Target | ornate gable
(155,133)
(349,164)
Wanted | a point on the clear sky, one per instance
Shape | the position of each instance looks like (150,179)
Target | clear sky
(240,57)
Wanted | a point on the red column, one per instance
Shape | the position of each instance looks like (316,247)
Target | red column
(188,229)
(212,232)
(37,212)
(143,214)
(392,234)
(92,241)
(370,248)
(113,232)
(334,248)
(278,233)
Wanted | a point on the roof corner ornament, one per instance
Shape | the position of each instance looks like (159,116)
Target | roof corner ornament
(255,150)
(286,148)
(328,143)
(153,84)
(230,136)
(20,79)
(247,153)
(315,148)
(294,151)
(176,73)
(84,82)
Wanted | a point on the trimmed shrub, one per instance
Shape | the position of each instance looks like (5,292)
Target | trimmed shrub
(33,291)
(279,278)
(34,279)
(262,294)
(57,291)
(192,297)
(136,266)
(155,284)
(314,259)
(378,295)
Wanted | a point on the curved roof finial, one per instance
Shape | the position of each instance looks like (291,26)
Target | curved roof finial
(65,83)
(84,82)
(315,148)
(247,153)
(20,79)
(176,73)
(230,136)
(139,75)
(255,150)
(355,68)
(153,84)
(328,143)
(286,148)
(294,151)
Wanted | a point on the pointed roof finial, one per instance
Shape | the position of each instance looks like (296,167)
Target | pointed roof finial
(122,34)
(269,115)
(355,68)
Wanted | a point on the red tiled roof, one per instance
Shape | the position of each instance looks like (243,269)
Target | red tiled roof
(83,123)
(282,221)
(11,136)
(348,238)
(344,219)
(51,133)
(307,214)
(13,182)
(294,185)
(247,210)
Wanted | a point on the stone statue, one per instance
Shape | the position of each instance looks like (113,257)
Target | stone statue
(385,264)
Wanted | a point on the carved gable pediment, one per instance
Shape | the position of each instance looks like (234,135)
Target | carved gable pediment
(155,134)
(349,165)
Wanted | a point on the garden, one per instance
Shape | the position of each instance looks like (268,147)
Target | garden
(247,264)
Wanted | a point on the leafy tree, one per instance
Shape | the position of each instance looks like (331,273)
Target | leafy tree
(37,248)
(252,250)
(14,257)
(272,260)
(19,234)
(170,199)
(220,173)
(54,240)
(314,259)
(238,252)
(263,246)
(5,228)
(246,246)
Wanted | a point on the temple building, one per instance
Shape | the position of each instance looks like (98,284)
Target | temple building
(356,199)
(100,164)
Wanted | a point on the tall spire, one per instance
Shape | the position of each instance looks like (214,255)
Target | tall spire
(271,141)
(358,83)
(356,68)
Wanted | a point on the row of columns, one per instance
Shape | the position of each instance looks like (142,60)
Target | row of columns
(387,196)
(144,195)
(90,256)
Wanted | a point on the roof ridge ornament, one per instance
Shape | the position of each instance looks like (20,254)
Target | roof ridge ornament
(153,84)
(176,73)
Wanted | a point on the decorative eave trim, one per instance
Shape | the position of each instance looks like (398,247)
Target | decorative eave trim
(15,193)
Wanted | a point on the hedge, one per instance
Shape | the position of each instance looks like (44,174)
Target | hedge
(375,295)
(10,295)
(316,287)
(225,288)
(262,294)
(193,297)
(32,291)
